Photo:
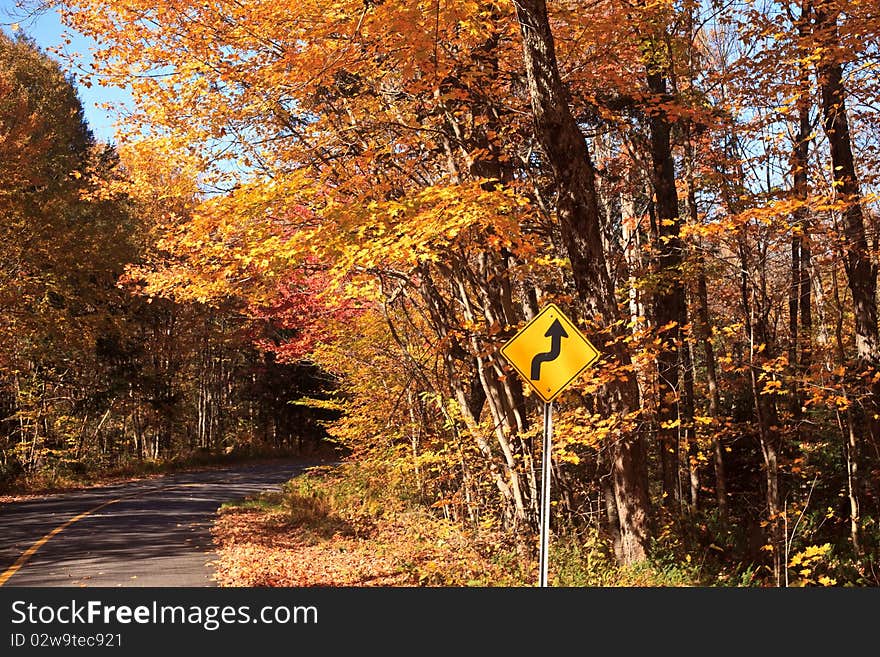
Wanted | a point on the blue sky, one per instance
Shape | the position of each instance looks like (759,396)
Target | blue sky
(47,30)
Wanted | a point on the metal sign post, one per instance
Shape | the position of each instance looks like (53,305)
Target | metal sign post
(549,353)
(545,494)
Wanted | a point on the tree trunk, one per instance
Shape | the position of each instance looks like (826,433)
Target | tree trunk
(861,271)
(712,388)
(757,333)
(503,421)
(569,158)
(700,333)
(470,398)
(848,432)
(670,310)
(800,319)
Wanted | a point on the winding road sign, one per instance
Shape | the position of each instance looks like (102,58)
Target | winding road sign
(549,352)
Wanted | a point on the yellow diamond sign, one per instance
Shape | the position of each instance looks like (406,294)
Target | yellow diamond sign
(549,352)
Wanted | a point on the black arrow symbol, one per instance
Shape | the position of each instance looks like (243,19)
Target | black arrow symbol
(556,332)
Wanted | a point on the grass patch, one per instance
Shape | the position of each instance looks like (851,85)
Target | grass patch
(329,528)
(271,502)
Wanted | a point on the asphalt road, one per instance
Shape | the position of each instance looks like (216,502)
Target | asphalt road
(152,532)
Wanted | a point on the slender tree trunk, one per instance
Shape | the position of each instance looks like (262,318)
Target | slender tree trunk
(755,305)
(688,427)
(501,412)
(567,153)
(670,309)
(712,388)
(848,431)
(765,409)
(700,334)
(470,398)
(800,318)
(415,430)
(794,300)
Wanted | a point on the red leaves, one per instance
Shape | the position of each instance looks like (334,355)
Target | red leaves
(302,314)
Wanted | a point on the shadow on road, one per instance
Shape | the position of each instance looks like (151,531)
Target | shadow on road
(156,534)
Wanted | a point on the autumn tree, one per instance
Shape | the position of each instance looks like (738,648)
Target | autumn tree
(391,189)
(61,251)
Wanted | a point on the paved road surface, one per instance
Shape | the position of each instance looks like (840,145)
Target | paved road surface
(146,533)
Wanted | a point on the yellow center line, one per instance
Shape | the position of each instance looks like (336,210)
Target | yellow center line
(25,556)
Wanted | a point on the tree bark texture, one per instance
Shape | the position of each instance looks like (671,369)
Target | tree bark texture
(567,154)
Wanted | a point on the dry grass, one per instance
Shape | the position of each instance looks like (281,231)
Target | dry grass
(304,539)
